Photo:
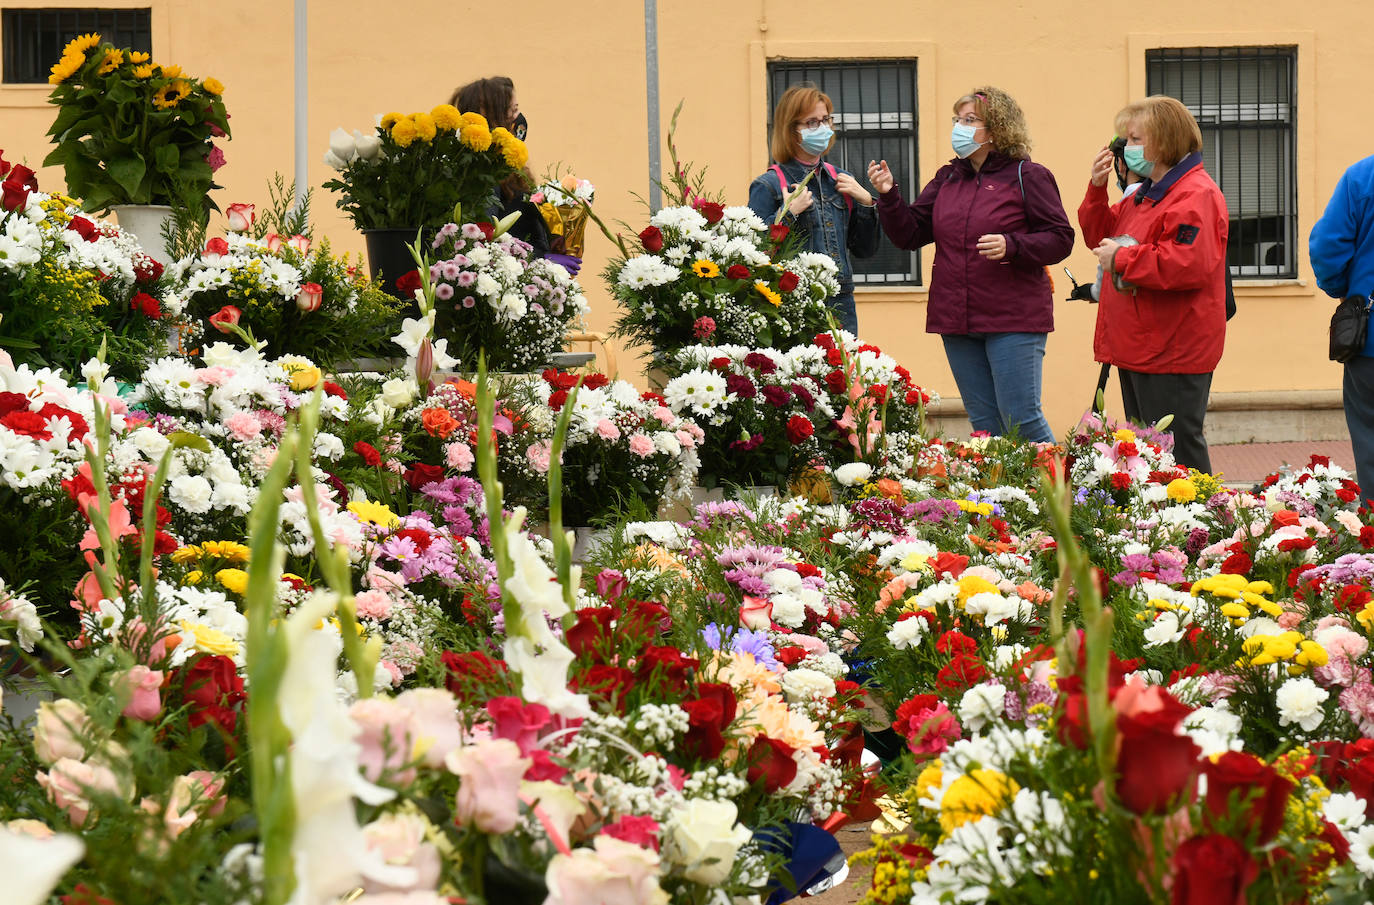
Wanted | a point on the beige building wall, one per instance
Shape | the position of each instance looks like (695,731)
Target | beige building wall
(579,70)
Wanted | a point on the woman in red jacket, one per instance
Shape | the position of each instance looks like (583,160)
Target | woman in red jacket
(996,220)
(1162,318)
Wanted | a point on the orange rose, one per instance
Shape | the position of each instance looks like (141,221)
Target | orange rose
(438,423)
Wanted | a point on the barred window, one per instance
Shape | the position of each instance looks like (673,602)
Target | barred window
(34,38)
(1244,99)
(875,119)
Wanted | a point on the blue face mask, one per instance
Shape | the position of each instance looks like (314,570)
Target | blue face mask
(961,139)
(815,141)
(1134,155)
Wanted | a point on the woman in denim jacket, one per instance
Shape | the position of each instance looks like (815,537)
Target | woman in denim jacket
(834,214)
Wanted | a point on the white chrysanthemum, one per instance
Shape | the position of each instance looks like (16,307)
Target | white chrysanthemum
(852,473)
(981,704)
(1300,702)
(807,685)
(644,271)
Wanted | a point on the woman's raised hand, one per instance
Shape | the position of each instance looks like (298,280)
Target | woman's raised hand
(800,203)
(1102,167)
(848,185)
(880,177)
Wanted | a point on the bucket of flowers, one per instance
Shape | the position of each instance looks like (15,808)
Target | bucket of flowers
(564,202)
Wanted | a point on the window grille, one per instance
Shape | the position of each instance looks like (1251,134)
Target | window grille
(1244,99)
(875,119)
(34,38)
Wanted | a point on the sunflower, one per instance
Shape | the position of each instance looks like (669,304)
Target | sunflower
(390,120)
(446,117)
(171,94)
(170,72)
(113,60)
(476,136)
(65,68)
(404,132)
(213,86)
(81,44)
(144,71)
(763,290)
(138,56)
(706,269)
(424,126)
(512,148)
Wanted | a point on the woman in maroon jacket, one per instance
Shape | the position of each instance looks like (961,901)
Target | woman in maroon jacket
(996,220)
(1162,318)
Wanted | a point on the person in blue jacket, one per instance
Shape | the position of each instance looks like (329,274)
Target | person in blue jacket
(834,214)
(1342,250)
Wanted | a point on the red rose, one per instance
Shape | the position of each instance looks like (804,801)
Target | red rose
(711,211)
(1155,766)
(1235,778)
(22,175)
(309,298)
(652,239)
(1237,564)
(612,683)
(211,685)
(224,318)
(591,631)
(407,283)
(84,895)
(824,340)
(668,663)
(145,303)
(771,761)
(4,164)
(368,452)
(643,618)
(469,669)
(788,281)
(420,474)
(216,246)
(1212,870)
(737,272)
(835,382)
(799,429)
(13,196)
(778,232)
(1317,461)
(83,228)
(834,357)
(707,716)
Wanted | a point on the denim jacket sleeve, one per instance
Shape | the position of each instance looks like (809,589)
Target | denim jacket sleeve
(765,197)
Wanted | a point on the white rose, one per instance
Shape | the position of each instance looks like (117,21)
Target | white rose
(341,145)
(398,392)
(703,838)
(807,685)
(853,473)
(368,146)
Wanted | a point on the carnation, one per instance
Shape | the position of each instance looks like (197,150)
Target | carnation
(1300,701)
(807,685)
(853,473)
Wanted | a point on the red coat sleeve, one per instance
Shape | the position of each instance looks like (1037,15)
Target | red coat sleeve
(1186,250)
(1096,218)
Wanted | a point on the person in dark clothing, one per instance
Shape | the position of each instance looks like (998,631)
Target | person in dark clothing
(997,222)
(834,213)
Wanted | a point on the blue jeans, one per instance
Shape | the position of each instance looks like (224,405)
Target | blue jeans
(999,380)
(1359,418)
(842,306)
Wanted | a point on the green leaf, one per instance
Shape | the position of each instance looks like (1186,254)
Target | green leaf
(168,159)
(185,439)
(128,172)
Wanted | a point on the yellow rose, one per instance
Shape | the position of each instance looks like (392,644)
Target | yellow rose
(209,640)
(304,377)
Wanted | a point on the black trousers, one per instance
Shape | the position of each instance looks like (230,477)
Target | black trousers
(1149,397)
(1359,417)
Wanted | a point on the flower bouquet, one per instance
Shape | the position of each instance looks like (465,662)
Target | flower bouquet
(71,284)
(491,296)
(564,202)
(132,131)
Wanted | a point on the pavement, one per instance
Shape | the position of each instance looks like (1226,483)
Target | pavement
(1241,464)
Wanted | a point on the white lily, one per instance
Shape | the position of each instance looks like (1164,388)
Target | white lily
(32,866)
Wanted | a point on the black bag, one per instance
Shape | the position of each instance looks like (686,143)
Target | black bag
(1349,328)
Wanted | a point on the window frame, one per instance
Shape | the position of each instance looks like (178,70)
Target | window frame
(9,14)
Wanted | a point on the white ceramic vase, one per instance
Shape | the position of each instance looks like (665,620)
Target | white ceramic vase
(145,222)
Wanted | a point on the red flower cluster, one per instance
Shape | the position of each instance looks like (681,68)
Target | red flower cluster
(19,181)
(369,453)
(211,685)
(15,415)
(146,304)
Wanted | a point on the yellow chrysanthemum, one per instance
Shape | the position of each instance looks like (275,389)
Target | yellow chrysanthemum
(228,550)
(474,119)
(235,580)
(475,135)
(705,269)
(404,132)
(1182,490)
(424,126)
(171,94)
(144,71)
(113,60)
(976,794)
(66,67)
(391,119)
(195,577)
(1124,436)
(81,44)
(211,641)
(183,555)
(138,56)
(512,148)
(446,117)
(773,298)
(373,513)
(213,86)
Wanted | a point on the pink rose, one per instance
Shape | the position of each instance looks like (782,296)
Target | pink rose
(434,722)
(642,446)
(606,428)
(273,242)
(613,872)
(513,719)
(60,731)
(142,685)
(196,793)
(756,614)
(71,785)
(398,840)
(240,217)
(489,794)
(299,243)
(458,456)
(387,739)
(310,297)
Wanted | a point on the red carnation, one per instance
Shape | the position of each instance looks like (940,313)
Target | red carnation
(368,452)
(652,239)
(788,281)
(146,270)
(1237,564)
(557,398)
(407,283)
(962,673)
(145,303)
(83,228)
(420,474)
(711,211)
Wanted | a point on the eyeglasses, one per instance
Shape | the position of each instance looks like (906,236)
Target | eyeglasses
(969,120)
(817,123)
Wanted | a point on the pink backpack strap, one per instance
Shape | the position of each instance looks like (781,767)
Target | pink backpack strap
(782,180)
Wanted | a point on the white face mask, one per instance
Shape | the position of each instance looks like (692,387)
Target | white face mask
(961,139)
(815,141)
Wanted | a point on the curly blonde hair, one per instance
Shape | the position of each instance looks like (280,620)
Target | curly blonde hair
(1001,114)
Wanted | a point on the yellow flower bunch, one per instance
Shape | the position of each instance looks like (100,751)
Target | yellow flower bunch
(404,131)
(1241,596)
(892,873)
(425,129)
(113,60)
(773,298)
(1182,490)
(73,58)
(705,269)
(475,135)
(234,580)
(446,118)
(1290,647)
(512,148)
(979,508)
(213,86)
(977,793)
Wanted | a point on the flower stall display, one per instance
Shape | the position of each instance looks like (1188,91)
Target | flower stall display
(133,131)
(492,297)
(71,284)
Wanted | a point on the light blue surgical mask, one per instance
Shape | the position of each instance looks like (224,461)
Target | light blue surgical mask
(815,141)
(961,139)
(1134,155)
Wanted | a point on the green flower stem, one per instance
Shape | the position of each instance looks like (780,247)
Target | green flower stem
(98,513)
(491,487)
(562,552)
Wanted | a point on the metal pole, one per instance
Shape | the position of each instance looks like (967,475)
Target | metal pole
(302,64)
(651,84)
